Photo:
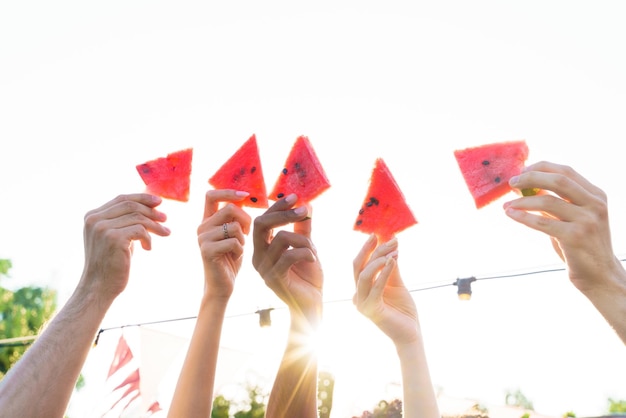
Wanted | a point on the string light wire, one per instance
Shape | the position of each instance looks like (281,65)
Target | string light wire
(22,341)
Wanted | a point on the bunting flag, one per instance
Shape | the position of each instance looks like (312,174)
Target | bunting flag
(122,356)
(124,377)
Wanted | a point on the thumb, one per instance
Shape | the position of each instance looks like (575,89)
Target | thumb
(303,226)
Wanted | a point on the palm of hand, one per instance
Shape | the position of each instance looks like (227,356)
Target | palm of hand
(397,314)
(303,284)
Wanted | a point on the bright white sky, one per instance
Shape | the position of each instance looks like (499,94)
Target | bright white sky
(90,89)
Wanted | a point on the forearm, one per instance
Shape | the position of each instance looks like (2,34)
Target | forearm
(418,391)
(294,393)
(609,298)
(51,366)
(193,396)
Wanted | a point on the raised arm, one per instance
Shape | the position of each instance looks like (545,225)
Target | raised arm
(289,265)
(574,214)
(221,237)
(382,297)
(42,381)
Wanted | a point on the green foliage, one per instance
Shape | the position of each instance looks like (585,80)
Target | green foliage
(385,409)
(517,398)
(221,407)
(253,407)
(22,314)
(526,415)
(569,414)
(617,406)
(5,266)
(325,388)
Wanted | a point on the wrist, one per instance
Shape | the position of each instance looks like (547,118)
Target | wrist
(609,283)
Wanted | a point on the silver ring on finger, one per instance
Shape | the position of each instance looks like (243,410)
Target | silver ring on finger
(225,229)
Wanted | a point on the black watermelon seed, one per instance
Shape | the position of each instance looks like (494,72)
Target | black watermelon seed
(242,171)
(280,195)
(369,204)
(361,211)
(373,201)
(359,222)
(253,169)
(254,199)
(497,179)
(485,162)
(297,165)
(145,169)
(285,171)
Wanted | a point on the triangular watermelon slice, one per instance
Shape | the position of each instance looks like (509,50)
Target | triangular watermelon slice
(384,211)
(488,168)
(168,177)
(243,171)
(302,174)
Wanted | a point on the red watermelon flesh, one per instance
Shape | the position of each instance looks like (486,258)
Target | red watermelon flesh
(384,211)
(302,174)
(168,177)
(243,171)
(488,168)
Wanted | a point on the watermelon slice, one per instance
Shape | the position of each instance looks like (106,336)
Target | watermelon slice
(168,177)
(488,168)
(384,211)
(243,171)
(302,174)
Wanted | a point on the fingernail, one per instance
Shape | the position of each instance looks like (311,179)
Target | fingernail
(241,193)
(513,180)
(392,242)
(291,198)
(506,205)
(166,229)
(301,210)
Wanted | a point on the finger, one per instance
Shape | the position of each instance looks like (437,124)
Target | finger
(122,205)
(559,179)
(141,198)
(366,278)
(277,215)
(550,226)
(303,226)
(383,278)
(386,248)
(363,256)
(137,218)
(211,248)
(548,206)
(212,199)
(130,233)
(285,240)
(231,230)
(566,171)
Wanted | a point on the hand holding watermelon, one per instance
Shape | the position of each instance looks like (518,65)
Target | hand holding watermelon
(574,214)
(221,240)
(289,265)
(382,297)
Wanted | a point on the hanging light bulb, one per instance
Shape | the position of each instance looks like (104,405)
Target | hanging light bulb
(264,317)
(464,287)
